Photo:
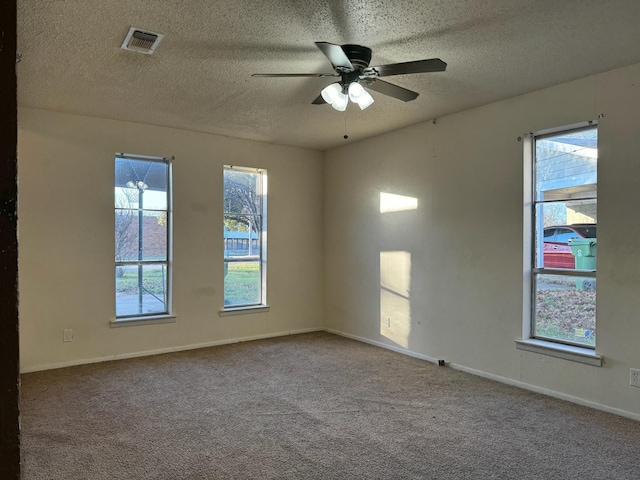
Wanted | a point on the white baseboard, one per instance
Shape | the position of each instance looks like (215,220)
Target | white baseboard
(384,345)
(159,351)
(497,378)
(546,391)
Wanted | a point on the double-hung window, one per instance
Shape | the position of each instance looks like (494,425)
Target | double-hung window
(244,237)
(564,240)
(142,236)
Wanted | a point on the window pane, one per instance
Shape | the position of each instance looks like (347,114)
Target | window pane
(154,236)
(141,184)
(242,193)
(566,165)
(236,234)
(242,283)
(557,224)
(127,197)
(126,235)
(565,309)
(141,289)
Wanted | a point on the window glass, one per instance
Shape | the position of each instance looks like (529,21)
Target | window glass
(244,234)
(566,309)
(141,236)
(565,203)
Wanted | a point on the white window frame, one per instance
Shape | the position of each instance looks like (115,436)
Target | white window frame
(528,342)
(260,257)
(163,316)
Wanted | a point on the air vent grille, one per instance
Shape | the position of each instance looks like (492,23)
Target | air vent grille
(142,41)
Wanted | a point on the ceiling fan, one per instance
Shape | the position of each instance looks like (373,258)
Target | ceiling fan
(351,65)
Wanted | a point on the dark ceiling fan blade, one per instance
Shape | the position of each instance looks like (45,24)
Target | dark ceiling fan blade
(318,101)
(336,55)
(317,75)
(389,89)
(419,66)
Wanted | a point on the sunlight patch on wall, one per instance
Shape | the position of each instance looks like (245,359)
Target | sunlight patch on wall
(390,202)
(395,303)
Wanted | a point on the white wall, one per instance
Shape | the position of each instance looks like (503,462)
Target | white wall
(449,273)
(66,235)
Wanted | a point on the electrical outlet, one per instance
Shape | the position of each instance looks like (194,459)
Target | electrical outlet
(634,377)
(387,322)
(67,335)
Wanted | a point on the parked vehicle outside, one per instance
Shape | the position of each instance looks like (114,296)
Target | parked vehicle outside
(557,252)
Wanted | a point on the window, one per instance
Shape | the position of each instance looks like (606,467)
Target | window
(564,243)
(244,219)
(142,236)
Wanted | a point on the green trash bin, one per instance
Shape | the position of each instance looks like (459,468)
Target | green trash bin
(584,251)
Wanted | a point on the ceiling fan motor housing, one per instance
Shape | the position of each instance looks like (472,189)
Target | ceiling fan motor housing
(358,55)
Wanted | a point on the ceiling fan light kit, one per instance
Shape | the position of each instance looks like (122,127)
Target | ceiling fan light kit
(334,95)
(351,64)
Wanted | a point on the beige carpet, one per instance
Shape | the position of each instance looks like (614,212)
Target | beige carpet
(313,406)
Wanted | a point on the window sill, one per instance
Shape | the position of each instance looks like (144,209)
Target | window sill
(567,352)
(244,310)
(136,321)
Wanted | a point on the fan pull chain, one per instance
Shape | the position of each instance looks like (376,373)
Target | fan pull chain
(346,137)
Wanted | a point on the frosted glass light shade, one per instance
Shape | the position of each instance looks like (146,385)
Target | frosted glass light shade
(355,91)
(331,92)
(340,103)
(359,95)
(364,100)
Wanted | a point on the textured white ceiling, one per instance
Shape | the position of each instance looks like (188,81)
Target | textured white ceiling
(199,78)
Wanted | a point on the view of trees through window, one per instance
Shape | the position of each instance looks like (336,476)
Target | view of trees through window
(141,236)
(243,237)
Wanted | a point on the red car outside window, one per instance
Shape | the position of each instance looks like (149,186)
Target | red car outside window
(557,252)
